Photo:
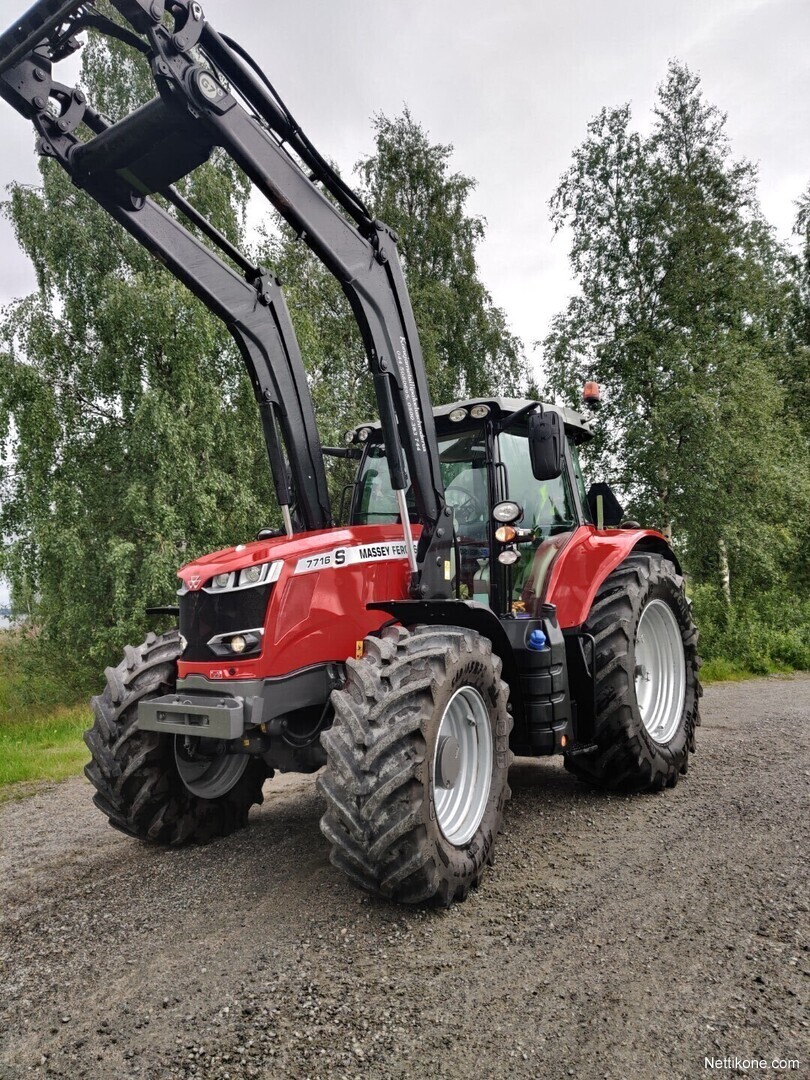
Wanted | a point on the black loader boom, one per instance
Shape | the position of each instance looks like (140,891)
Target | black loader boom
(210,93)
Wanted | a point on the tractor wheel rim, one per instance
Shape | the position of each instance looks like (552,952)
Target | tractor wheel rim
(208,777)
(660,672)
(462,766)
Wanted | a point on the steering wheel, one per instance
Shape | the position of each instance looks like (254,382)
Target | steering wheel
(463,503)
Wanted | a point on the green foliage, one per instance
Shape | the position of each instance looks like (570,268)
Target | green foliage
(467,346)
(682,316)
(129,439)
(762,634)
(332,350)
(40,737)
(331,347)
(795,369)
(26,685)
(468,349)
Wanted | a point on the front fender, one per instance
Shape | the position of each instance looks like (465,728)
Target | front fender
(585,561)
(467,613)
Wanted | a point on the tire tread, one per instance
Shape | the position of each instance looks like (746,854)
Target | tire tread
(133,771)
(626,760)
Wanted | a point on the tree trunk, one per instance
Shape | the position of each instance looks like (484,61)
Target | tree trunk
(725,578)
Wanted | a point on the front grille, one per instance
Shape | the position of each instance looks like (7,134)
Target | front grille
(204,615)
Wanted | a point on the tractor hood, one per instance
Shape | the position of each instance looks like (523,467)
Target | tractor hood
(298,548)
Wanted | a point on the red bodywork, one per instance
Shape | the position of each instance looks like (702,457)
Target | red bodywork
(585,560)
(318,613)
(315,615)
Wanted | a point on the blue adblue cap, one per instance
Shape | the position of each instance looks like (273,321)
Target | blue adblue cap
(537,640)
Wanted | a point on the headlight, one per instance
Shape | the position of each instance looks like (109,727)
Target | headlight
(235,643)
(457,415)
(509,556)
(247,578)
(507,512)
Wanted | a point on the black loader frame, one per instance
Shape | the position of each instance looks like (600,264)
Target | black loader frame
(211,94)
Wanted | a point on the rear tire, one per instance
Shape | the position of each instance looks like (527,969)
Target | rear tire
(421,711)
(135,772)
(629,687)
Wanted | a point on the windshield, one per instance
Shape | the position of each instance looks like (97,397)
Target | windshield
(463,457)
(464,473)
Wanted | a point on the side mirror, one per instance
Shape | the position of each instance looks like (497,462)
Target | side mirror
(546,445)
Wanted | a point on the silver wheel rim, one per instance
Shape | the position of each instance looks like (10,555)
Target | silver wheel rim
(462,766)
(660,671)
(208,777)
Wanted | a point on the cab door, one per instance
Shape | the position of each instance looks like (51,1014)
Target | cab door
(551,511)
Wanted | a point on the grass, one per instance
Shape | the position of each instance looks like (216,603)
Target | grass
(714,671)
(40,733)
(43,747)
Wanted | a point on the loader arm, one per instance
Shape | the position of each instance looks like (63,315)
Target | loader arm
(251,306)
(210,93)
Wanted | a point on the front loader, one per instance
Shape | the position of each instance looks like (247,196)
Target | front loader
(478,603)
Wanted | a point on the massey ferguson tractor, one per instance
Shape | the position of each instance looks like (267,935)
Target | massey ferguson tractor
(478,603)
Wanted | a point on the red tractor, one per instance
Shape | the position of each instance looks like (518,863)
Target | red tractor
(480,602)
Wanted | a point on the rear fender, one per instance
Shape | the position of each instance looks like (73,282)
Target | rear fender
(586,560)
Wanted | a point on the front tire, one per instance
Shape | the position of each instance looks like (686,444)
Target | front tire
(647,685)
(136,773)
(417,763)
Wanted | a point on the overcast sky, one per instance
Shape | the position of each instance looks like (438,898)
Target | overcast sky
(511,85)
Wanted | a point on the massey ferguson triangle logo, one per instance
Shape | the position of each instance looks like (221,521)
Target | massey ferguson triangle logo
(194,582)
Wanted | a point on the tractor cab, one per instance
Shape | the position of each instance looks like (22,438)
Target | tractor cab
(485,462)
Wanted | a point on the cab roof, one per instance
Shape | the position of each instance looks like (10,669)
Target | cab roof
(579,428)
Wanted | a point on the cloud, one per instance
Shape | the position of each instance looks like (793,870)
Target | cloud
(512,87)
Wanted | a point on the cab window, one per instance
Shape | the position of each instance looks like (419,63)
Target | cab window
(580,482)
(463,458)
(547,505)
(548,510)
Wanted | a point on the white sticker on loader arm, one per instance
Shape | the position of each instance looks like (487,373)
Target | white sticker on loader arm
(351,556)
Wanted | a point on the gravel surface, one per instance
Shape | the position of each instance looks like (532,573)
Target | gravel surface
(616,937)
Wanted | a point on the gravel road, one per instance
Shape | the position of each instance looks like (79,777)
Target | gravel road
(616,937)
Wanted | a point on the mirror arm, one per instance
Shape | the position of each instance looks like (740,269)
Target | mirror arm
(342,452)
(518,414)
